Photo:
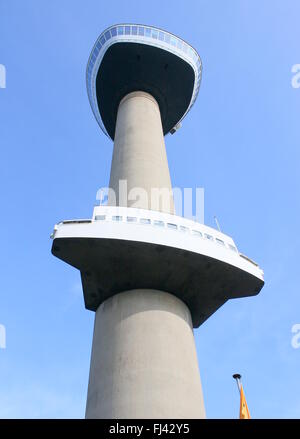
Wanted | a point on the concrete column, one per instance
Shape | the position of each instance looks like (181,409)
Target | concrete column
(144,362)
(139,156)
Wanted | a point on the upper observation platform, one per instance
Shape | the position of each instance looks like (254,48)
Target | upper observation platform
(130,57)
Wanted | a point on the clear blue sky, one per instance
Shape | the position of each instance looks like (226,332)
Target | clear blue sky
(240,142)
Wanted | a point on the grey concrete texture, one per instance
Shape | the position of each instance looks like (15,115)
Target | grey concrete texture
(139,154)
(144,362)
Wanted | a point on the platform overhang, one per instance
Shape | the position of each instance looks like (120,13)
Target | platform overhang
(115,255)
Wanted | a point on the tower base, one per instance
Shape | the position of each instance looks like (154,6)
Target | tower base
(144,362)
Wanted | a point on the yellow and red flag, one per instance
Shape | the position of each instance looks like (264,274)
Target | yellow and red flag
(244,411)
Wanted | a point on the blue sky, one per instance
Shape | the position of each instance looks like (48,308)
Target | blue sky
(240,142)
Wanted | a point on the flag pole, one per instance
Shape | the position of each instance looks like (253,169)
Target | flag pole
(244,411)
(238,377)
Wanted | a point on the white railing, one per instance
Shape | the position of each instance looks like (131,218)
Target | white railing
(155,219)
(162,221)
(159,221)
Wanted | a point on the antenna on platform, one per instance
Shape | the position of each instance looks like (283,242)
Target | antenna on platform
(217,223)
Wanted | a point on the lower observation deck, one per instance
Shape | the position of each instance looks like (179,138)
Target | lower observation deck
(121,249)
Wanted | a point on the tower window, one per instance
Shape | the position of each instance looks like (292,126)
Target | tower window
(145,221)
(184,229)
(158,223)
(196,232)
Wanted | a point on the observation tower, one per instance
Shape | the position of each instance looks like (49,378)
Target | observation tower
(149,275)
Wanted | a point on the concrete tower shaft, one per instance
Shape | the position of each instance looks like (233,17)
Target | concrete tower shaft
(139,156)
(144,362)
